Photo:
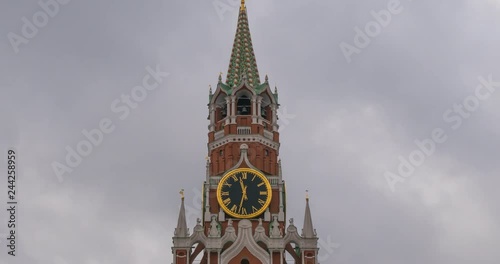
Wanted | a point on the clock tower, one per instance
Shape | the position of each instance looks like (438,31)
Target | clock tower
(243,218)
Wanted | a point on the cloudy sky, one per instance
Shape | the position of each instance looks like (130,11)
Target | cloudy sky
(345,125)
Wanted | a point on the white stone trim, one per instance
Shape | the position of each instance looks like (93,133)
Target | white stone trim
(219,134)
(245,239)
(244,130)
(243,139)
(268,134)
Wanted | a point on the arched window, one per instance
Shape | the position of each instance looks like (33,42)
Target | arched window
(224,111)
(220,113)
(265,107)
(221,110)
(244,106)
(245,261)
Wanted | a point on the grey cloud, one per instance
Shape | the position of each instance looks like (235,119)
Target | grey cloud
(352,121)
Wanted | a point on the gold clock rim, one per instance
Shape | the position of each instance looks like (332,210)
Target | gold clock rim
(256,172)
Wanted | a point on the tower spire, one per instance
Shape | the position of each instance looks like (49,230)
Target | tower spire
(182,230)
(308,229)
(242,62)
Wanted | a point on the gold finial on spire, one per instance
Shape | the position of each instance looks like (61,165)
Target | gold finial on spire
(307,195)
(242,4)
(182,194)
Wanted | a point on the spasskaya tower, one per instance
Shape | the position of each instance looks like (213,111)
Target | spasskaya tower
(243,218)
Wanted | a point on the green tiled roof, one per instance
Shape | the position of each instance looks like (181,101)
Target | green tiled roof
(243,63)
(243,60)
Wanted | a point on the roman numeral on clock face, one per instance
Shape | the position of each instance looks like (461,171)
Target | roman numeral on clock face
(254,209)
(244,175)
(234,208)
(243,210)
(263,193)
(224,193)
(227,201)
(260,184)
(262,202)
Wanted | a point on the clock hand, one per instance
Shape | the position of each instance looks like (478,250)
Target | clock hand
(246,196)
(242,186)
(244,190)
(243,194)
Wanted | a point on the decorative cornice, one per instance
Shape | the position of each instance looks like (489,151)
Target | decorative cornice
(254,138)
(245,239)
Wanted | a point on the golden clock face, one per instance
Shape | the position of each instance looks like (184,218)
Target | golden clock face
(244,193)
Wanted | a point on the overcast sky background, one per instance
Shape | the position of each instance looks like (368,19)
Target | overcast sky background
(349,123)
